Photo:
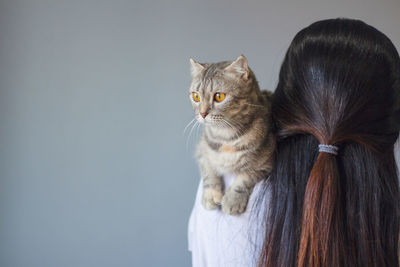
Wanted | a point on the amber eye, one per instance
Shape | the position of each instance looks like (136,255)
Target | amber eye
(219,97)
(196,96)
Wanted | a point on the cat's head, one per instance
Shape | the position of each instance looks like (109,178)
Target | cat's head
(219,91)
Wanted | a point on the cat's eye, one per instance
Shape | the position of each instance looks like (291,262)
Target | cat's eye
(196,96)
(219,97)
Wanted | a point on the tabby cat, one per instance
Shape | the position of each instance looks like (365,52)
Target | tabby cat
(237,137)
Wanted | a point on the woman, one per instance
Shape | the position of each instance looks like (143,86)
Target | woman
(339,85)
(333,197)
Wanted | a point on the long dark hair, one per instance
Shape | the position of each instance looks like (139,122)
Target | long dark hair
(339,84)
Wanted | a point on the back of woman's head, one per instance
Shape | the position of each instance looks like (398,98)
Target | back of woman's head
(339,85)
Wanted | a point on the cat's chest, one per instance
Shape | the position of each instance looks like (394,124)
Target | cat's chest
(226,158)
(228,149)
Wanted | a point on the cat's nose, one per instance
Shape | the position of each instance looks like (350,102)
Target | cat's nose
(204,115)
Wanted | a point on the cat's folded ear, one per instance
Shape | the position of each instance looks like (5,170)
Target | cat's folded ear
(239,67)
(195,67)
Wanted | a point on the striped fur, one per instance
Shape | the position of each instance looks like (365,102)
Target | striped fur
(237,138)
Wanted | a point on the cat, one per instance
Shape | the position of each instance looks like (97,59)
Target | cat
(237,137)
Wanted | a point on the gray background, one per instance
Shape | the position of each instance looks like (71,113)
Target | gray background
(94,165)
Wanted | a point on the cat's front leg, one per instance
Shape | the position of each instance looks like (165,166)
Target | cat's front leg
(212,187)
(236,197)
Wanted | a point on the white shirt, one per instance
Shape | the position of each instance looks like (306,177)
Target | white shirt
(218,240)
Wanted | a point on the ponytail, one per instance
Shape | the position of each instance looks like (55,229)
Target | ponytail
(339,84)
(321,238)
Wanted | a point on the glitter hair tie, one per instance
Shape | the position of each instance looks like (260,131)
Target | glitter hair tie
(328,149)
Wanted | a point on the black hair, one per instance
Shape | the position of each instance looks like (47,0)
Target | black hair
(339,84)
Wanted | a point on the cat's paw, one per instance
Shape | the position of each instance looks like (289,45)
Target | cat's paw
(234,202)
(211,198)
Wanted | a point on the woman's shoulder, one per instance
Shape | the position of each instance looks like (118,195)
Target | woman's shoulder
(219,239)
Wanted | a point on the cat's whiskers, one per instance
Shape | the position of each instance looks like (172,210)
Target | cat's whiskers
(239,126)
(190,122)
(198,130)
(232,127)
(228,146)
(190,133)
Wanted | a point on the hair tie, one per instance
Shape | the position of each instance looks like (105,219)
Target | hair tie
(328,149)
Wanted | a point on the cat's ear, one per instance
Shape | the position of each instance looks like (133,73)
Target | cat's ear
(195,67)
(239,67)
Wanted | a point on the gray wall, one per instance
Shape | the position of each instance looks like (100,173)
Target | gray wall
(94,167)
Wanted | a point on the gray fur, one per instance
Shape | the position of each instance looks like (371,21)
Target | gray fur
(237,138)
